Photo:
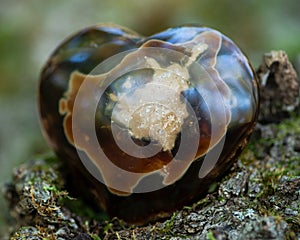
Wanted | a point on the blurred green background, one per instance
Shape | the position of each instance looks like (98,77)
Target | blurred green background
(30,30)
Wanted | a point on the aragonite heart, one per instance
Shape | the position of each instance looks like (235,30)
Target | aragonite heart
(144,125)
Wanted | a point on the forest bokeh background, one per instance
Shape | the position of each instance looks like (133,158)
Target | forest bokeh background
(30,30)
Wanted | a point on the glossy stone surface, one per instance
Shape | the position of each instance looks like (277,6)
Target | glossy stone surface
(144,125)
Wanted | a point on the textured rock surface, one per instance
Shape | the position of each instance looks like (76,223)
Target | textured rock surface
(258,199)
(279,87)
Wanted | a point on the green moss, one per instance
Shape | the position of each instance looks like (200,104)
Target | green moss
(213,187)
(168,226)
(291,123)
(288,165)
(210,235)
(257,146)
(95,237)
(80,208)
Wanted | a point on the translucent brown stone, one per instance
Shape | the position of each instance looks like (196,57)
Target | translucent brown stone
(144,125)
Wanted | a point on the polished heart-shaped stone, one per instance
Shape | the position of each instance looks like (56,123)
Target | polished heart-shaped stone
(144,125)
